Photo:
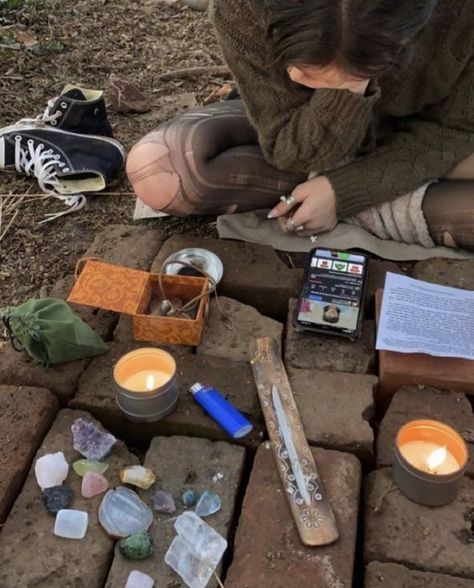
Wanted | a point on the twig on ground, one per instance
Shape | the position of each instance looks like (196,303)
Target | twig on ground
(9,224)
(189,72)
(221,585)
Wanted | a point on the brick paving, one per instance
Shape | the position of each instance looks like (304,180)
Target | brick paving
(386,540)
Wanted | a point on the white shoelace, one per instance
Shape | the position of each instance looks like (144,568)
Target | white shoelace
(45,117)
(43,164)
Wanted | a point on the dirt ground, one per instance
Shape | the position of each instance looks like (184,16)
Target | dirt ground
(83,42)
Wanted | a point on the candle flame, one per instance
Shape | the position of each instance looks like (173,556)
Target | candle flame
(150,382)
(436,458)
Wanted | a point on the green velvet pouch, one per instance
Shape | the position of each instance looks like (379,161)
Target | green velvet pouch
(50,332)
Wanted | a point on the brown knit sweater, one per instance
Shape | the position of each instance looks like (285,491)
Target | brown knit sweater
(429,109)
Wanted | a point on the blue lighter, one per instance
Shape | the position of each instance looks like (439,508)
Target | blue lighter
(222,411)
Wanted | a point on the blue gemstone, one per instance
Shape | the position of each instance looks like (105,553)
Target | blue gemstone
(208,504)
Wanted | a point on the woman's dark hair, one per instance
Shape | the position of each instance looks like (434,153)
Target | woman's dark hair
(366,38)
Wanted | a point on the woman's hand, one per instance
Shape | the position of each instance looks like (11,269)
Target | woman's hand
(312,208)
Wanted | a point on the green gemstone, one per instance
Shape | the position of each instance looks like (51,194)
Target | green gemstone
(136,547)
(82,466)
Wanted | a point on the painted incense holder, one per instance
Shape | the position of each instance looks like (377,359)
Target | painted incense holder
(303,486)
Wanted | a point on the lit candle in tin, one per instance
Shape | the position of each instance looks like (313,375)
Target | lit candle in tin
(145,382)
(430,459)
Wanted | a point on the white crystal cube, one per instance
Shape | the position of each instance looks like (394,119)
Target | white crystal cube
(71,524)
(138,579)
(196,551)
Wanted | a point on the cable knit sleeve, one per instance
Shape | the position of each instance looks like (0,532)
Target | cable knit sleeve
(312,133)
(425,148)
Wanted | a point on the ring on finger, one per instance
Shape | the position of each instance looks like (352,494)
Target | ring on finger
(290,200)
(295,228)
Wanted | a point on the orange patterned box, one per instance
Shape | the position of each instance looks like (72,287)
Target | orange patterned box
(129,291)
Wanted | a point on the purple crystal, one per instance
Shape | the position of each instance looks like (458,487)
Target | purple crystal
(162,501)
(90,441)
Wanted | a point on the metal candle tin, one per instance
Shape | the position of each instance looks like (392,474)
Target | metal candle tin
(148,405)
(201,259)
(427,488)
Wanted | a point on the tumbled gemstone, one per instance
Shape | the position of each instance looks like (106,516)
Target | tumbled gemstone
(82,466)
(189,497)
(208,504)
(196,551)
(90,441)
(71,524)
(162,501)
(138,579)
(57,498)
(122,513)
(137,476)
(93,484)
(51,470)
(137,547)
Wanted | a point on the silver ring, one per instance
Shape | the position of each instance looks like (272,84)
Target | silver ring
(296,229)
(290,201)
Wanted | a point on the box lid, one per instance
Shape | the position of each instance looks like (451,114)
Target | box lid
(110,287)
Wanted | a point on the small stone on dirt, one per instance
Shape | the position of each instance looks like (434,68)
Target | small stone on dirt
(137,547)
(57,498)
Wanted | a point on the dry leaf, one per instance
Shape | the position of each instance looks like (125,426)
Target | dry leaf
(28,39)
(125,96)
(217,94)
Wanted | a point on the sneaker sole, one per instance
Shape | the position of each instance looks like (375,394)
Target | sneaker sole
(29,127)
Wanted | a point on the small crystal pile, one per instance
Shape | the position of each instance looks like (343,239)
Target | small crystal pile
(208,504)
(162,502)
(57,498)
(122,513)
(71,524)
(93,484)
(137,547)
(137,476)
(90,441)
(51,470)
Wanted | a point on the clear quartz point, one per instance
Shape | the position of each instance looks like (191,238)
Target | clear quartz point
(197,550)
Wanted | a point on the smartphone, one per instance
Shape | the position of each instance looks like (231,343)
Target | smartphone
(332,295)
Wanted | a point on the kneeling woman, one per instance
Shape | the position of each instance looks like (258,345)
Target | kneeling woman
(359,110)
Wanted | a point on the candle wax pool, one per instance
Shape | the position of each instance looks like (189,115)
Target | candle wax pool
(146,380)
(418,452)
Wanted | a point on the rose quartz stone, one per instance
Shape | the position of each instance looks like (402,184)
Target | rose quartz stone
(93,483)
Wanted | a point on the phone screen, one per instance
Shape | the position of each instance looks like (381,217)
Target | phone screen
(333,290)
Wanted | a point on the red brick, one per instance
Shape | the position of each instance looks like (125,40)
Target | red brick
(268,550)
(128,245)
(30,555)
(179,463)
(24,420)
(17,369)
(388,575)
(308,350)
(229,338)
(429,539)
(335,409)
(404,369)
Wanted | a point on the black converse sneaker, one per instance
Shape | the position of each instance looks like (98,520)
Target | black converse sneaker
(66,164)
(77,110)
